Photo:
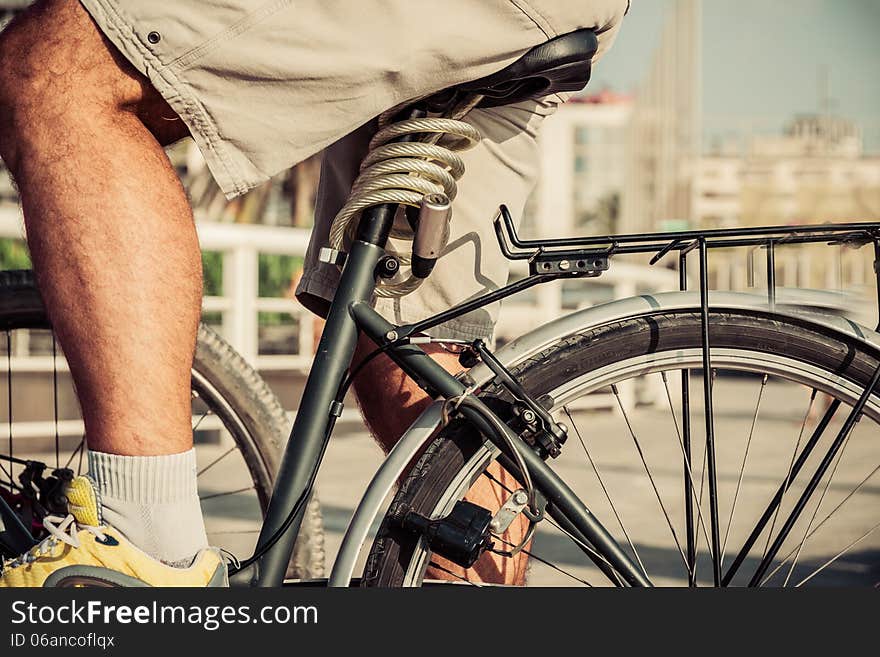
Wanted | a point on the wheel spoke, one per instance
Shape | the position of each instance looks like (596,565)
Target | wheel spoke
(4,457)
(16,487)
(230,492)
(581,544)
(648,472)
(788,478)
(689,474)
(82,453)
(201,419)
(774,504)
(75,452)
(838,555)
(589,550)
(497,481)
(216,460)
(823,521)
(742,468)
(844,432)
(456,575)
(816,510)
(533,555)
(605,490)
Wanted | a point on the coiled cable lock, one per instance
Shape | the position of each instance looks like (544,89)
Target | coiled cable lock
(421,174)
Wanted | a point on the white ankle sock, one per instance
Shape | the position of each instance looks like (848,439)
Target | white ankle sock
(153,501)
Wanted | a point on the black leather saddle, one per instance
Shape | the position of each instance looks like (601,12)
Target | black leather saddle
(559,65)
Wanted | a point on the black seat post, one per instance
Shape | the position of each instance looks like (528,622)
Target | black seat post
(376,222)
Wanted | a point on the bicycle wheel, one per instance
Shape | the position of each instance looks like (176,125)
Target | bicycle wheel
(238,427)
(774,382)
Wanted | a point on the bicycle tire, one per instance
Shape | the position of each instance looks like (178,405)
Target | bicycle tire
(263,427)
(390,562)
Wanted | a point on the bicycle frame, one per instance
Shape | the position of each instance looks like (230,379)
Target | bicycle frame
(351,314)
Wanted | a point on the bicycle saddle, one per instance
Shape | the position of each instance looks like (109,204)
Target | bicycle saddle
(559,65)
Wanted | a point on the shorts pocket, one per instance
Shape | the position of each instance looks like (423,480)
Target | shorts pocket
(266,11)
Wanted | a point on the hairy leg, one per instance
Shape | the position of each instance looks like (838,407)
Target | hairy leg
(109,227)
(382,386)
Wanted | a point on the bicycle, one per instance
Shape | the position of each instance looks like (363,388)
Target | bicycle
(519,405)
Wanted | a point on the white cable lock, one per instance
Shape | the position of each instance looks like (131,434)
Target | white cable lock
(405,173)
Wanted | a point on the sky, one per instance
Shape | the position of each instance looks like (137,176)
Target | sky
(762,61)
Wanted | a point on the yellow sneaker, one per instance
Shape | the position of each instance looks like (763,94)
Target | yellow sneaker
(81,551)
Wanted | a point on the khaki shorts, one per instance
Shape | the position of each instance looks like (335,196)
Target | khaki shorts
(264,85)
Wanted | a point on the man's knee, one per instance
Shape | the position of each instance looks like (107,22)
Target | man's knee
(60,73)
(51,69)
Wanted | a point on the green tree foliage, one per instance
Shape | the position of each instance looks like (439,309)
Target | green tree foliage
(212,273)
(14,254)
(277,273)
(277,276)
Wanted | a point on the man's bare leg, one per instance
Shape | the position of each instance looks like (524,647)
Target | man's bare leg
(117,258)
(114,246)
(381,386)
(108,225)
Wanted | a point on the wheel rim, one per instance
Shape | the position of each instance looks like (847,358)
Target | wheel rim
(788,568)
(249,499)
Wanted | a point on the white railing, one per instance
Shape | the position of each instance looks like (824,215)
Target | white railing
(240,304)
(241,246)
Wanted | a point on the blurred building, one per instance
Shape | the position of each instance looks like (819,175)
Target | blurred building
(612,163)
(583,167)
(815,171)
(664,140)
(600,125)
